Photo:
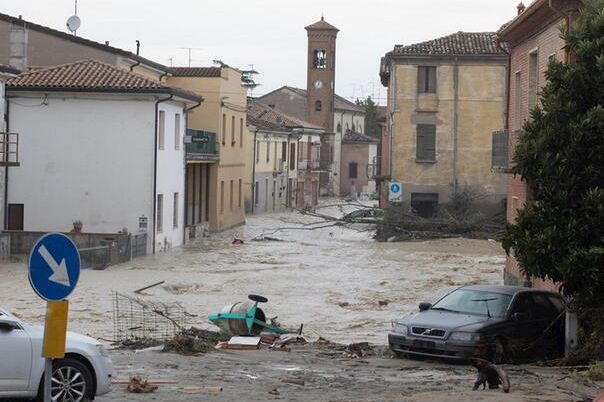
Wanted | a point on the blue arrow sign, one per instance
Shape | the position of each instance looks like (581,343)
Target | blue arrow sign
(54,266)
(395,187)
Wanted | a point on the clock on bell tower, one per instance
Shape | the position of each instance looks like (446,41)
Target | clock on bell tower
(320,74)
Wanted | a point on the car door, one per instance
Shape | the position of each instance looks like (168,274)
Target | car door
(523,330)
(15,356)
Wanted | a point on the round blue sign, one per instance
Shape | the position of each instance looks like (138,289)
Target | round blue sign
(54,266)
(395,188)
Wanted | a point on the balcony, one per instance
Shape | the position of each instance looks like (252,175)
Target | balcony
(201,146)
(309,165)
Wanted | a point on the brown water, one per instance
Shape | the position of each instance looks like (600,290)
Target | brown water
(330,279)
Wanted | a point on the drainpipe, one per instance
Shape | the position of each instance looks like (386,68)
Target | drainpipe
(185,195)
(163,75)
(506,123)
(138,46)
(254,189)
(455,121)
(287,172)
(155,117)
(6,169)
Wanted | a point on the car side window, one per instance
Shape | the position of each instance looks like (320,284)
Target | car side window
(557,302)
(543,308)
(523,305)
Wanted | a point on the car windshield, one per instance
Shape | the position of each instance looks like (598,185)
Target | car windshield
(474,302)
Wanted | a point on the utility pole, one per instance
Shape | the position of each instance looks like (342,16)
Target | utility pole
(190,49)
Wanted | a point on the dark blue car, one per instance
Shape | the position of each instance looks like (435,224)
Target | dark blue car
(499,323)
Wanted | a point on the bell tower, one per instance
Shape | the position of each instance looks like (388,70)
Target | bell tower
(320,74)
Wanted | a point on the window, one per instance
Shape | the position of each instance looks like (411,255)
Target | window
(223,128)
(240,194)
(256,192)
(339,128)
(284,151)
(426,79)
(161,128)
(175,212)
(159,221)
(318,106)
(222,197)
(232,130)
(352,170)
(533,71)
(292,156)
(320,59)
(499,149)
(517,99)
(257,151)
(424,204)
(426,143)
(268,151)
(231,195)
(241,132)
(177,131)
(15,216)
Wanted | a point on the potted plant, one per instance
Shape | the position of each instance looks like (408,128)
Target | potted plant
(77,226)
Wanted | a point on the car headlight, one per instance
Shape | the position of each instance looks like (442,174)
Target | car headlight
(400,328)
(465,336)
(102,351)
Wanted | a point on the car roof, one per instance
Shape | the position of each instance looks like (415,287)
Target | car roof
(508,290)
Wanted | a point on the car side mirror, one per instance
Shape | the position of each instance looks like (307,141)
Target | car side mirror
(520,316)
(6,326)
(423,306)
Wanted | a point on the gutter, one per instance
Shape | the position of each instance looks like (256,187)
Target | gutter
(254,189)
(166,90)
(185,209)
(138,62)
(155,118)
(6,170)
(455,121)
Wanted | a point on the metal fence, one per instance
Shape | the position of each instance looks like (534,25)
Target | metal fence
(134,318)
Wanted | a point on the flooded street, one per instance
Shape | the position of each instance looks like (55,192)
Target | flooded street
(338,282)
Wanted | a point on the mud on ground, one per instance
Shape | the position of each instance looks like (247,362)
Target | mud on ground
(266,375)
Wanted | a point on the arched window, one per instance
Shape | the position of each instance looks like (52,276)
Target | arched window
(318,106)
(339,129)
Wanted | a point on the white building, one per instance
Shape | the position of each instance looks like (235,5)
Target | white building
(102,146)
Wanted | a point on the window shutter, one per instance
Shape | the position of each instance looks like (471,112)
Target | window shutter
(499,149)
(426,142)
(431,82)
(421,79)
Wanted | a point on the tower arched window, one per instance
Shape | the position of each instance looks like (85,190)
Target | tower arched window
(318,106)
(320,59)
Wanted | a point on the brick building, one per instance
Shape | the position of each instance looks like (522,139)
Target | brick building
(533,38)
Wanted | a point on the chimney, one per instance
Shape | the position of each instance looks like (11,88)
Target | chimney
(520,8)
(107,42)
(18,47)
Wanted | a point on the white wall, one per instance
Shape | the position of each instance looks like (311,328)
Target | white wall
(92,160)
(2,128)
(171,178)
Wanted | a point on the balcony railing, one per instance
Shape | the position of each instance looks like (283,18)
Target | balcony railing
(201,145)
(9,149)
(309,165)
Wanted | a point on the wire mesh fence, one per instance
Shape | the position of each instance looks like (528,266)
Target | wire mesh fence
(134,318)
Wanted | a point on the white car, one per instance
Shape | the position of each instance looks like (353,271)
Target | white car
(84,373)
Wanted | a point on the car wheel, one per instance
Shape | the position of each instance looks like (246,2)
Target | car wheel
(71,382)
(498,353)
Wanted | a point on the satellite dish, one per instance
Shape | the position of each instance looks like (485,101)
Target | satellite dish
(73,23)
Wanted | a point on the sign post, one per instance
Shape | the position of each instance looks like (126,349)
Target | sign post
(395,192)
(54,270)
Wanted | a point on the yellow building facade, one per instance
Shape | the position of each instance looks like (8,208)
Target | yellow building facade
(446,98)
(216,176)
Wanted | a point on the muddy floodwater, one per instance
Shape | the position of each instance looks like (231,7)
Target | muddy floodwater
(338,282)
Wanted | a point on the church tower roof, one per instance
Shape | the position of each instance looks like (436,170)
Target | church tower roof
(321,25)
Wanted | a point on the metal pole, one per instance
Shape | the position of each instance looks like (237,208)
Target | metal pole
(47,378)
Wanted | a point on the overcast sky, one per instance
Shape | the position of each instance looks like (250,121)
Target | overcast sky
(270,33)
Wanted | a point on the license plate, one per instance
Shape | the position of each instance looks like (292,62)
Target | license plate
(424,344)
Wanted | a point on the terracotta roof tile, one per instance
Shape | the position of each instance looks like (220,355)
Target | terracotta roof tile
(457,44)
(322,24)
(353,136)
(92,75)
(210,72)
(264,117)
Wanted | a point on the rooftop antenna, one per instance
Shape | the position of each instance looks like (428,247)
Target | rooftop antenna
(190,49)
(74,22)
